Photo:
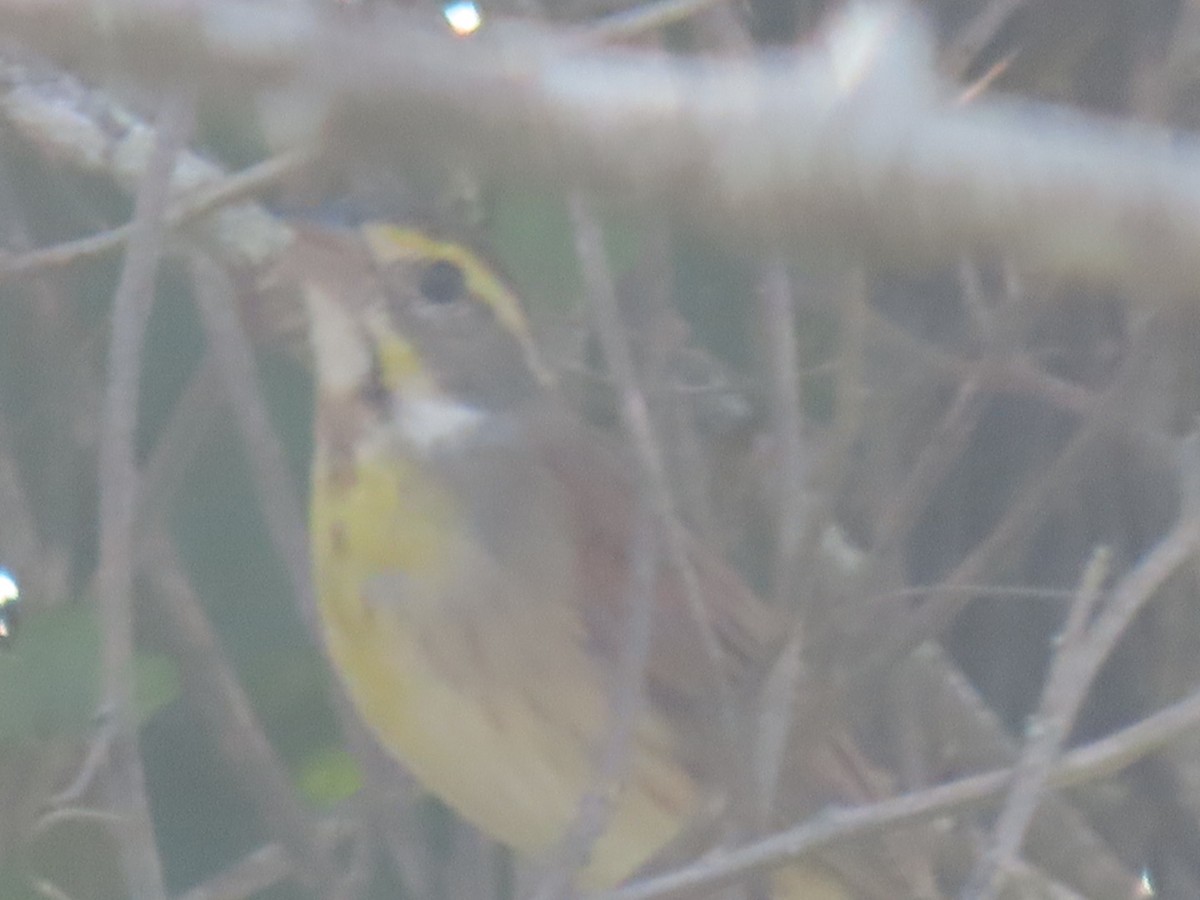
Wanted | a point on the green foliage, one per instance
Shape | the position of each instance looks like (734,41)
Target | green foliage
(328,776)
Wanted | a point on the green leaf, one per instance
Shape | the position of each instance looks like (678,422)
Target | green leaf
(329,776)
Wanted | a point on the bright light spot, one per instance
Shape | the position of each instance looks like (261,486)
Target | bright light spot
(463,17)
(9,595)
(8,587)
(1146,885)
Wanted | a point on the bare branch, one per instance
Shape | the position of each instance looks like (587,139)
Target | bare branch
(846,145)
(118,479)
(1083,764)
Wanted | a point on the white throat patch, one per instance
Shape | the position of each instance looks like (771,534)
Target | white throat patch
(434,424)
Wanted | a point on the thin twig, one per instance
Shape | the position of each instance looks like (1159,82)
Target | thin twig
(1099,759)
(635,418)
(778,318)
(1048,731)
(946,444)
(1020,521)
(213,690)
(187,208)
(125,785)
(89,769)
(833,467)
(968,736)
(1015,374)
(182,439)
(780,696)
(87,130)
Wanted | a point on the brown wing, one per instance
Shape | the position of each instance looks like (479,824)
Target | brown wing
(602,505)
(820,770)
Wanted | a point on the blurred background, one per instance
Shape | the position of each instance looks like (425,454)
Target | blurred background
(972,426)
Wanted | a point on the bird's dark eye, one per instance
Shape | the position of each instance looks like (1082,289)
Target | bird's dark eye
(443,282)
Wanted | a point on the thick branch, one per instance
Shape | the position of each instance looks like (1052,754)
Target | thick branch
(842,146)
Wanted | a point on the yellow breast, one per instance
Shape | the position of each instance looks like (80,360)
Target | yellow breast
(442,688)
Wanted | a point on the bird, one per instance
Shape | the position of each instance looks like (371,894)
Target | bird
(474,540)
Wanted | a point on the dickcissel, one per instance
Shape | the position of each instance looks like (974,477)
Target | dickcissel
(471,539)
